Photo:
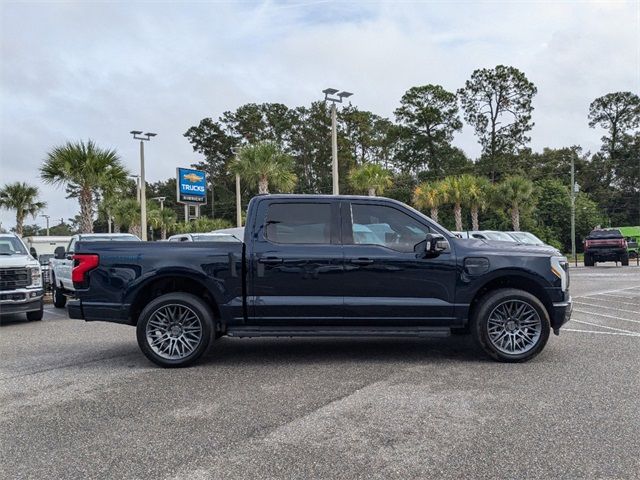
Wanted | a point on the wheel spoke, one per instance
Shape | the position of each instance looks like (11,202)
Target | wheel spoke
(174,331)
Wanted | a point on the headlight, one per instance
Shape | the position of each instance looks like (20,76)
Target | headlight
(559,267)
(36,277)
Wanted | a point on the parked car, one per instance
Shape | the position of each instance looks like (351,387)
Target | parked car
(603,245)
(304,270)
(20,279)
(62,263)
(526,237)
(632,236)
(43,248)
(463,234)
(204,237)
(492,235)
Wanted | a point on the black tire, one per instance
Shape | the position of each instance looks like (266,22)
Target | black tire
(624,260)
(59,298)
(588,260)
(37,315)
(492,301)
(195,305)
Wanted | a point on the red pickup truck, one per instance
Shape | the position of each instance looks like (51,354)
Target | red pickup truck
(605,245)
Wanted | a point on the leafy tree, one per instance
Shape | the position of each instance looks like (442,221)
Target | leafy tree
(126,212)
(498,104)
(477,193)
(429,195)
(429,115)
(618,113)
(516,193)
(371,178)
(22,198)
(85,169)
(263,164)
(453,192)
(201,225)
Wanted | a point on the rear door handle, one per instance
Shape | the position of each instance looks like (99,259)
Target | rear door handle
(270,260)
(362,261)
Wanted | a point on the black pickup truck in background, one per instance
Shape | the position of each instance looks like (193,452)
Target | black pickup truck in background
(313,265)
(603,245)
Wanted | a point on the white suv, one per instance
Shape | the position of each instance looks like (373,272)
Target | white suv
(20,279)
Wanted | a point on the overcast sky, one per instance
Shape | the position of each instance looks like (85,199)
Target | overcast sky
(79,70)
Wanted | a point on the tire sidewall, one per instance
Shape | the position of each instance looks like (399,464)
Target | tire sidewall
(486,306)
(199,307)
(59,299)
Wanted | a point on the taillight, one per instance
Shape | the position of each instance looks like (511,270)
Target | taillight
(83,264)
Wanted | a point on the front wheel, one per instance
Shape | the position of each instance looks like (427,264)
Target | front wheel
(175,329)
(59,298)
(37,315)
(511,325)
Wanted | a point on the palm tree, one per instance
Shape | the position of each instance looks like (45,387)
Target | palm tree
(127,212)
(454,192)
(370,177)
(476,191)
(22,198)
(264,164)
(85,170)
(429,195)
(515,192)
(164,219)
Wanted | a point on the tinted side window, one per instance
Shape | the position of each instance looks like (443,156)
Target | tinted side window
(299,223)
(72,244)
(386,226)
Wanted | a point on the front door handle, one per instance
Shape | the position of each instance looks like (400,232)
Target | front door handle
(362,261)
(270,260)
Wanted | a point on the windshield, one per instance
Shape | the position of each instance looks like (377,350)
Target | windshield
(12,246)
(526,237)
(500,236)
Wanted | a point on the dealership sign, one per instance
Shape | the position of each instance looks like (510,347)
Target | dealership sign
(191,186)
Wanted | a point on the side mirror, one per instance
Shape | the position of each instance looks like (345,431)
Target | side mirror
(33,253)
(59,253)
(434,244)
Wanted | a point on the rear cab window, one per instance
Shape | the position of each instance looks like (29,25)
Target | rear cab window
(300,223)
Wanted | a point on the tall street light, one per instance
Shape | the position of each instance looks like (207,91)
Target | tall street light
(235,151)
(334,96)
(47,217)
(138,135)
(161,200)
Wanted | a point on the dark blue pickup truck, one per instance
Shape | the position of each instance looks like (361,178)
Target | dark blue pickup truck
(313,265)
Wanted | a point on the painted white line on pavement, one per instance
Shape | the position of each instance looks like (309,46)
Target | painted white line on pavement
(616,296)
(609,300)
(609,308)
(606,316)
(602,333)
(604,326)
(609,291)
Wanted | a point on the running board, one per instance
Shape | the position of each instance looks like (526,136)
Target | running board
(322,331)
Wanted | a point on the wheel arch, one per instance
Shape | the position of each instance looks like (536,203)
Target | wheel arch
(170,283)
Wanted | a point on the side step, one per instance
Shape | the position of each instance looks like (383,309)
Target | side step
(324,331)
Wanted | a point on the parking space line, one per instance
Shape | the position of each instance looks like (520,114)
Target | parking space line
(617,301)
(606,316)
(604,326)
(615,296)
(602,333)
(608,308)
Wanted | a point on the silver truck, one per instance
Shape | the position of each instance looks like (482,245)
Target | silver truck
(62,263)
(20,279)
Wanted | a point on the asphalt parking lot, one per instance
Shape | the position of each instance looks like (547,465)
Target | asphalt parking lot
(78,400)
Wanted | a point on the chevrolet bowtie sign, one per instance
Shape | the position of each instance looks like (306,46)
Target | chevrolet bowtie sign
(191,186)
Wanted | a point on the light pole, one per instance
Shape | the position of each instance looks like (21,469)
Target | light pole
(138,135)
(161,200)
(137,177)
(235,151)
(47,217)
(339,96)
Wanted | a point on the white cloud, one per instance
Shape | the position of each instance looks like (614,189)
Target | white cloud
(78,70)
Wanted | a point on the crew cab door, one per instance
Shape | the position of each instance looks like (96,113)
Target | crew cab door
(296,263)
(387,279)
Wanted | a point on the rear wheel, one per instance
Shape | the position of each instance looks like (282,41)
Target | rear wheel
(624,260)
(588,260)
(175,329)
(511,325)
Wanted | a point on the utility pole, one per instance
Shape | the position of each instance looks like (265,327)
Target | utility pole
(573,213)
(143,191)
(235,151)
(334,132)
(47,217)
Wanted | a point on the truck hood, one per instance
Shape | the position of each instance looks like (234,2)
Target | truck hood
(17,261)
(512,248)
